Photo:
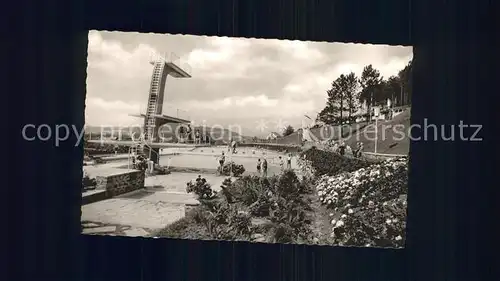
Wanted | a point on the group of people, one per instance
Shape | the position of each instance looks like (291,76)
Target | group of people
(262,167)
(261,163)
(140,162)
(186,134)
(342,148)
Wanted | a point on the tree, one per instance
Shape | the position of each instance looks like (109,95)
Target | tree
(371,87)
(288,130)
(333,111)
(392,88)
(405,77)
(342,96)
(327,115)
(349,88)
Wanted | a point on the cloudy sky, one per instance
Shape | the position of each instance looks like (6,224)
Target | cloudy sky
(245,82)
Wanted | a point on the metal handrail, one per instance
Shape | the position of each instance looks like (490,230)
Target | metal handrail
(142,142)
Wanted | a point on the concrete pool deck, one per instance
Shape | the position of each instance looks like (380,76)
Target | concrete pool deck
(176,182)
(161,203)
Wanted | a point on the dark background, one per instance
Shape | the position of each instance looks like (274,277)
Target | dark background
(449,224)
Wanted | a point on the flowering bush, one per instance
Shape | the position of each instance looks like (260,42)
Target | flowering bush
(382,181)
(369,204)
(229,167)
(201,188)
(376,224)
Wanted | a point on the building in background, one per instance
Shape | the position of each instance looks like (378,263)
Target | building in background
(273,136)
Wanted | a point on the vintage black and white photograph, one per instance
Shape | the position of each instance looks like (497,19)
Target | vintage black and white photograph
(259,140)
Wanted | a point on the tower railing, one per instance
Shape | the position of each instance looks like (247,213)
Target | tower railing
(167,110)
(170,57)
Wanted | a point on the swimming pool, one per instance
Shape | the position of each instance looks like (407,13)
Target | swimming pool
(207,158)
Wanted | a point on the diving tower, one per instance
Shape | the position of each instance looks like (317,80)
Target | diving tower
(163,66)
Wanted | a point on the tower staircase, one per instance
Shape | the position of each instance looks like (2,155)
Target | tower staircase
(154,107)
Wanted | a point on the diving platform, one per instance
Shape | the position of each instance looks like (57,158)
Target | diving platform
(173,65)
(163,118)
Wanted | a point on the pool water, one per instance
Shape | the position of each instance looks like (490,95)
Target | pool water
(244,156)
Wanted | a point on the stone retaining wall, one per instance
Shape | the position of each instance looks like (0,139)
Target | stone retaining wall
(94,197)
(120,183)
(376,156)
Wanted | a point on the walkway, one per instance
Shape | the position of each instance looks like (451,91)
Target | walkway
(143,212)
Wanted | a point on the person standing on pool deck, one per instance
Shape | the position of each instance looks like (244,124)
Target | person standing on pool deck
(258,166)
(335,147)
(359,152)
(289,161)
(233,145)
(222,158)
(197,137)
(264,167)
(342,148)
(355,151)
(282,165)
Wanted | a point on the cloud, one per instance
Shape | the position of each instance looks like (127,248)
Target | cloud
(233,79)
(114,112)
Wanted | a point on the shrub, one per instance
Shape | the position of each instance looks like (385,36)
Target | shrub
(237,169)
(250,189)
(287,207)
(261,206)
(187,227)
(280,200)
(226,191)
(290,218)
(330,163)
(289,186)
(201,188)
(223,221)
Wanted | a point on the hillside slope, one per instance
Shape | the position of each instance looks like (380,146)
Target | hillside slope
(389,142)
(321,133)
